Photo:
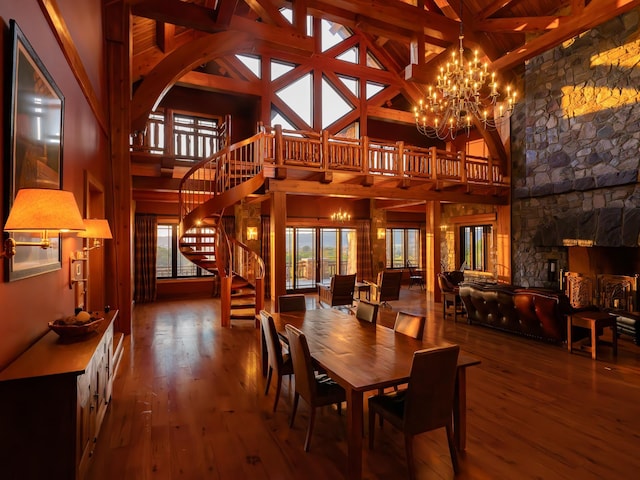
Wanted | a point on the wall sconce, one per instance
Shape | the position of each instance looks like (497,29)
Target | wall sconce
(381,233)
(252,233)
(96,229)
(41,210)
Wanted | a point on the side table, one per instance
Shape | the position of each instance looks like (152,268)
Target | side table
(595,321)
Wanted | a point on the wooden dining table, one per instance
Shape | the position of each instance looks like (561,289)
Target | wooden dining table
(361,357)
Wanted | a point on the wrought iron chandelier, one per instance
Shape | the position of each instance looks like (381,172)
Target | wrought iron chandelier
(458,98)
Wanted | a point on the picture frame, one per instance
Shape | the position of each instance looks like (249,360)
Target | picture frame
(35,117)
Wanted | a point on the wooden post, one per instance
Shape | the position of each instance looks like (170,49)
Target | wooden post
(277,225)
(434,162)
(400,158)
(278,145)
(324,145)
(119,258)
(432,260)
(365,154)
(225,300)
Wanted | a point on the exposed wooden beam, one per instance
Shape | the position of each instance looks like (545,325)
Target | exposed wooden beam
(594,14)
(189,15)
(494,6)
(178,63)
(267,12)
(53,15)
(519,24)
(216,83)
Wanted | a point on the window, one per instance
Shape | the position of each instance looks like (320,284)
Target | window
(319,254)
(195,137)
(474,246)
(170,263)
(403,245)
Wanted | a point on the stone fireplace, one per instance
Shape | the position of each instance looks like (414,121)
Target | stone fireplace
(576,157)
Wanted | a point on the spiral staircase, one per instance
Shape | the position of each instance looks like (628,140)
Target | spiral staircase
(207,189)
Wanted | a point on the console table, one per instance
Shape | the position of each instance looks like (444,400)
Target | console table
(53,399)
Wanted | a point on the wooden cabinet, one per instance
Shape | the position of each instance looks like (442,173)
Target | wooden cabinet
(53,399)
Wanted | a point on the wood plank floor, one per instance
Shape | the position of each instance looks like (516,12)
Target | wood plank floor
(189,403)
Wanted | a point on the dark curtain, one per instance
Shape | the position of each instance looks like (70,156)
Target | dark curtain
(364,262)
(265,252)
(145,245)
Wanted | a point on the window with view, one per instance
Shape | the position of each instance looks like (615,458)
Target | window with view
(170,263)
(403,246)
(474,246)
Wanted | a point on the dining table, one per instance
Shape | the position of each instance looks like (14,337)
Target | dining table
(361,357)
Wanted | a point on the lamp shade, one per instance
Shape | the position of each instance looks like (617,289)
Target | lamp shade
(96,228)
(36,209)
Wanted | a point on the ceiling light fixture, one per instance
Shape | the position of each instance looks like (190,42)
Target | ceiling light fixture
(457,98)
(340,216)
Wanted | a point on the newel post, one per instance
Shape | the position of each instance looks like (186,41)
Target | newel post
(364,145)
(490,172)
(400,158)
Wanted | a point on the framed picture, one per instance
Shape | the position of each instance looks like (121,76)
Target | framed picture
(35,110)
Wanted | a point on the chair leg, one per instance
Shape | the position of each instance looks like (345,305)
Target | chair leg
(372,427)
(294,408)
(452,449)
(269,373)
(312,417)
(408,445)
(278,388)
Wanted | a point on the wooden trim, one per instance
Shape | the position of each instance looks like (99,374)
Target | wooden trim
(475,219)
(61,32)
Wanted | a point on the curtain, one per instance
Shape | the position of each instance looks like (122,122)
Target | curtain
(365,262)
(265,252)
(145,244)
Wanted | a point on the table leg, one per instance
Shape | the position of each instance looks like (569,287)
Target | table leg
(594,340)
(354,434)
(569,341)
(460,410)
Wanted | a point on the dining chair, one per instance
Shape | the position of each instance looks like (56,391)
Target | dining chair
(387,287)
(279,363)
(426,404)
(415,277)
(317,390)
(367,311)
(409,324)
(339,292)
(293,302)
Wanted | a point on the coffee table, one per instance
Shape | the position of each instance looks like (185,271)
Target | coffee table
(595,321)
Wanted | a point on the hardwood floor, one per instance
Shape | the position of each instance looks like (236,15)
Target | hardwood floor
(189,403)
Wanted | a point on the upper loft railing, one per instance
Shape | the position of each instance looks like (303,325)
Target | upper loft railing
(321,151)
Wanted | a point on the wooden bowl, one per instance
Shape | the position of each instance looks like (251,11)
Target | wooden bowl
(67,331)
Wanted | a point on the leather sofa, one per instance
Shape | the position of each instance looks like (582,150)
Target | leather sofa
(535,313)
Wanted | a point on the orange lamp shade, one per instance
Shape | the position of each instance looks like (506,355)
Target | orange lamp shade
(37,209)
(96,228)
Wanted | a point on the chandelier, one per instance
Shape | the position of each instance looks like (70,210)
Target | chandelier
(457,98)
(340,216)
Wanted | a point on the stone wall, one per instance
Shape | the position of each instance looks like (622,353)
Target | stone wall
(576,149)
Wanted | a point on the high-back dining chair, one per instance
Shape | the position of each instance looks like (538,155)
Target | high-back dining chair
(367,311)
(426,404)
(339,291)
(387,286)
(293,302)
(279,363)
(409,324)
(318,391)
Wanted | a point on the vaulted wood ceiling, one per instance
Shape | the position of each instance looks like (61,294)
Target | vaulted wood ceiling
(414,35)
